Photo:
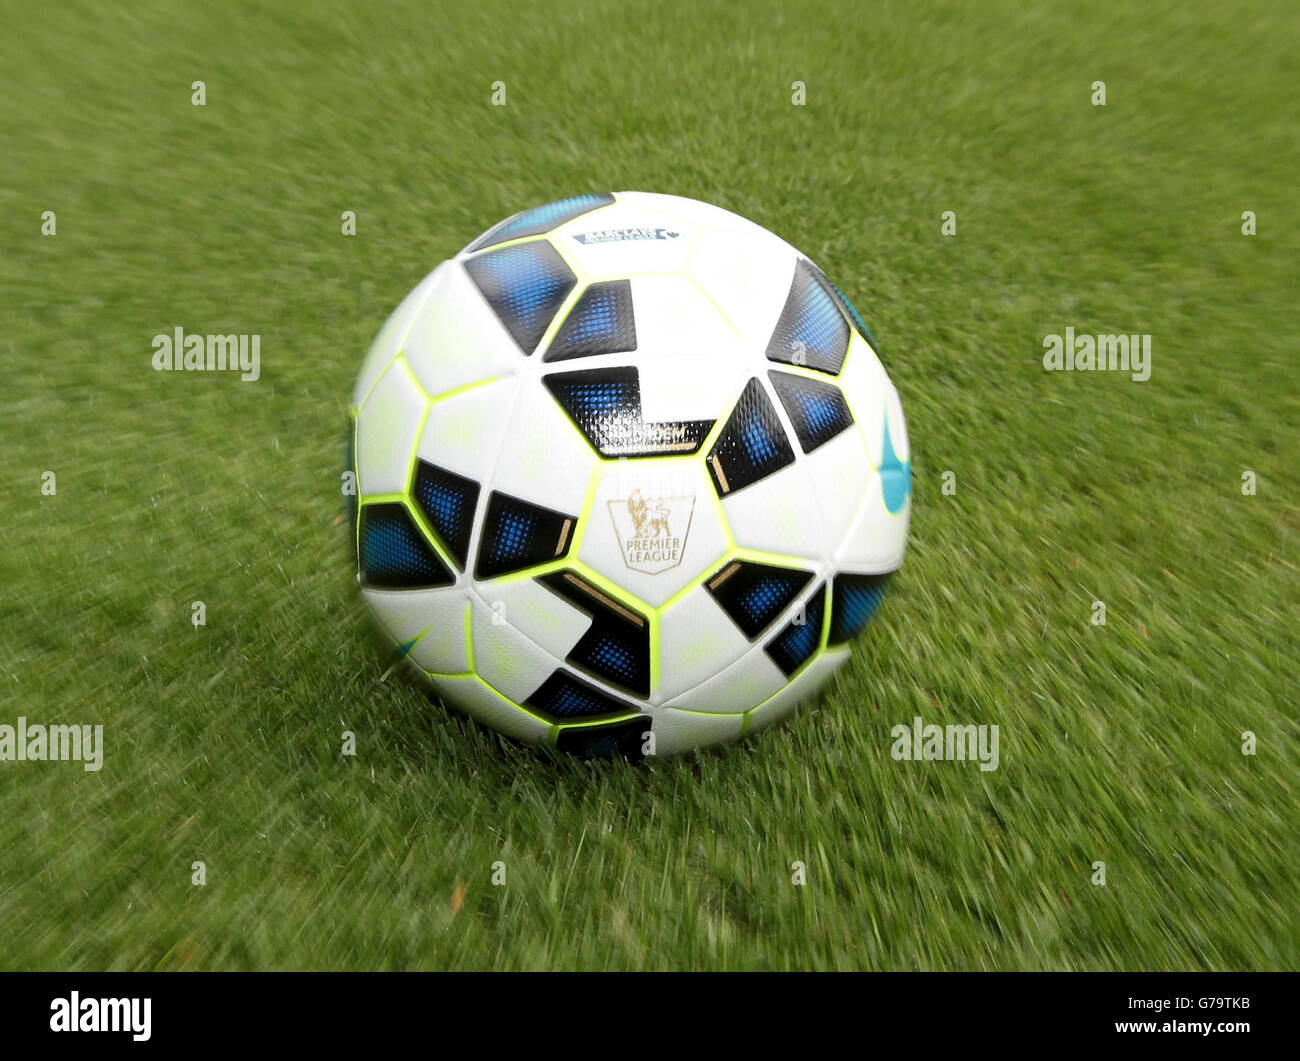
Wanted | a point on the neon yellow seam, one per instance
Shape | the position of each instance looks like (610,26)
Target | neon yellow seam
(694,583)
(809,373)
(410,372)
(401,342)
(527,573)
(584,514)
(495,692)
(654,651)
(469,639)
(457,391)
(824,640)
(708,714)
(415,445)
(561,315)
(589,723)
(418,518)
(711,301)
(779,559)
(506,700)
(848,398)
(611,589)
(356,481)
(378,376)
(720,514)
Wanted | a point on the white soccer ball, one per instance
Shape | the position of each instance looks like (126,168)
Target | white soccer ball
(630,476)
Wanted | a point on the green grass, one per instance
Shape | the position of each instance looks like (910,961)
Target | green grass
(1119,743)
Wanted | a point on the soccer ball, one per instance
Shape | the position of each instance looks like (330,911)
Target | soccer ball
(630,476)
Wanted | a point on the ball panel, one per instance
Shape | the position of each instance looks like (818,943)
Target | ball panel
(463,431)
(783,703)
(456,339)
(754,594)
(696,640)
(838,474)
(877,539)
(430,622)
(387,427)
(388,343)
(815,409)
(752,444)
(811,331)
(677,320)
(865,385)
(517,536)
(802,636)
(484,704)
(682,731)
(778,515)
(395,553)
(605,406)
(602,321)
(525,284)
(542,457)
(854,601)
(513,665)
(746,274)
(447,502)
(546,619)
(737,688)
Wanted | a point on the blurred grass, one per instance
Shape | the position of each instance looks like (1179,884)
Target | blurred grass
(1120,743)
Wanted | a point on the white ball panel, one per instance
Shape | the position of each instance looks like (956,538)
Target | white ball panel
(545,618)
(456,338)
(865,386)
(743,685)
(543,457)
(897,426)
(511,663)
(386,431)
(463,432)
(681,731)
(804,686)
(778,514)
(388,343)
(690,388)
(696,639)
(675,319)
(839,472)
(435,616)
(482,703)
(748,275)
(876,541)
